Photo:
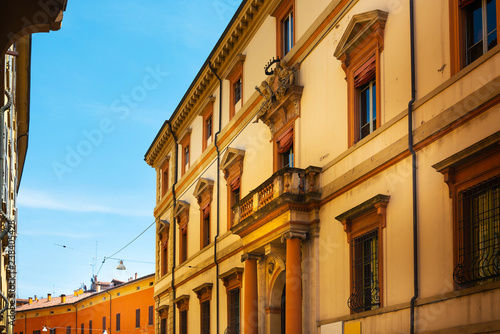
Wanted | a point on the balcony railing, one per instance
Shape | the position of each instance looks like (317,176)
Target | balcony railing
(288,185)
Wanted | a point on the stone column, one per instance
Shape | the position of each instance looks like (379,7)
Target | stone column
(250,306)
(293,290)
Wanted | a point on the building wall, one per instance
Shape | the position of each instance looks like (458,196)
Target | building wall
(452,112)
(83,307)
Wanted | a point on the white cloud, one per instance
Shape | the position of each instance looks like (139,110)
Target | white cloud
(36,199)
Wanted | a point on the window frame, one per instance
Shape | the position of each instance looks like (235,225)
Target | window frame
(183,307)
(458,58)
(461,171)
(360,45)
(151,317)
(278,157)
(181,215)
(185,144)
(235,74)
(164,251)
(138,318)
(117,323)
(367,217)
(164,176)
(206,115)
(204,294)
(281,13)
(204,193)
(232,167)
(233,279)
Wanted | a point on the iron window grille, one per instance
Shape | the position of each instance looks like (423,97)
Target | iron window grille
(478,233)
(365,264)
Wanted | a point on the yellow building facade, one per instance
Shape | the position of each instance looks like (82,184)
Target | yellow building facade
(20,19)
(335,168)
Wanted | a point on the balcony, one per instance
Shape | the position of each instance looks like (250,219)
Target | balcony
(297,186)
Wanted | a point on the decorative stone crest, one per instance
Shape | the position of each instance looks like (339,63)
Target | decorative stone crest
(281,95)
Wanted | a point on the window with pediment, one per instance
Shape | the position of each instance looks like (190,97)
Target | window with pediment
(235,78)
(473,178)
(359,51)
(232,166)
(203,193)
(181,215)
(363,225)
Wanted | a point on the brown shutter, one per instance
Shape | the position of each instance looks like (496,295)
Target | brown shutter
(285,141)
(365,73)
(464,3)
(235,184)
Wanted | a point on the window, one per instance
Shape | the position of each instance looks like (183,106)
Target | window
(183,306)
(164,178)
(186,155)
(363,225)
(36,332)
(82,329)
(163,326)
(474,29)
(204,294)
(235,78)
(183,245)
(205,228)
(232,166)
(365,294)
(359,51)
(234,311)
(284,149)
(285,27)
(68,329)
(150,316)
(232,280)
(203,193)
(118,322)
(478,232)
(103,323)
(181,214)
(205,317)
(367,108)
(164,252)
(138,318)
(52,331)
(183,322)
(90,326)
(473,178)
(207,116)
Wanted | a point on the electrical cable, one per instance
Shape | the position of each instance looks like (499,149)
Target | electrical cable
(111,256)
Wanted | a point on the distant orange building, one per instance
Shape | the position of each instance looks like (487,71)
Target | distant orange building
(126,307)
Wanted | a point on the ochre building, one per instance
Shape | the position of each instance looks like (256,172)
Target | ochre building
(334,167)
(120,307)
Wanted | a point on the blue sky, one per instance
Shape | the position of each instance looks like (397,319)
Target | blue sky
(101,87)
